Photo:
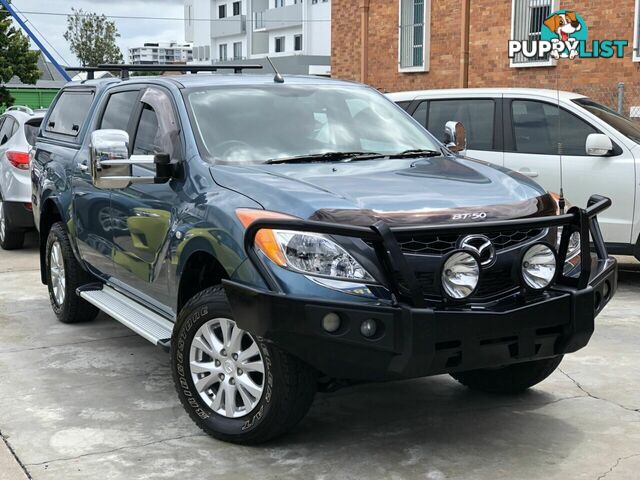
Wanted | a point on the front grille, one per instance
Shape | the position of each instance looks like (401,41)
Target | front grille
(437,245)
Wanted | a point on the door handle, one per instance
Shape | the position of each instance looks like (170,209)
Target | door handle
(528,173)
(83,167)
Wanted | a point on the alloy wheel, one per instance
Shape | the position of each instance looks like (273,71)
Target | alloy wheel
(56,269)
(227,368)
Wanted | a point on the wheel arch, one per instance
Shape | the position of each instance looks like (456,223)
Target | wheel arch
(198,268)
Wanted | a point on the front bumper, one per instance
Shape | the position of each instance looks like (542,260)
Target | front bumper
(415,342)
(417,339)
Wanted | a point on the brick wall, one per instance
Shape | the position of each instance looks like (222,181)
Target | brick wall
(490,29)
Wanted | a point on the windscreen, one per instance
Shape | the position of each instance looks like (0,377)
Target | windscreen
(31,130)
(624,125)
(245,125)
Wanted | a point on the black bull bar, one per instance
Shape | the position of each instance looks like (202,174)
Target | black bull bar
(399,276)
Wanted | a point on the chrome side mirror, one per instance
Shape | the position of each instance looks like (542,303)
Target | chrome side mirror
(455,136)
(111,165)
(598,145)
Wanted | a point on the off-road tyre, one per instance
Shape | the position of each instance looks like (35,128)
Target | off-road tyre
(289,384)
(73,309)
(510,379)
(10,238)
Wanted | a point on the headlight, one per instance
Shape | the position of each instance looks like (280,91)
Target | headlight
(572,263)
(538,266)
(310,253)
(460,275)
(317,254)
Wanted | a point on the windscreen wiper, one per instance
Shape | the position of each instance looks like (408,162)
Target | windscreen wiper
(416,153)
(328,157)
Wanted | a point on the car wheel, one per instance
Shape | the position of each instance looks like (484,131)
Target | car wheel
(510,379)
(10,239)
(235,386)
(64,276)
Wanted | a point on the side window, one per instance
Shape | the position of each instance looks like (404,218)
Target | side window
(7,130)
(476,114)
(404,104)
(119,109)
(421,115)
(146,137)
(157,130)
(538,127)
(69,113)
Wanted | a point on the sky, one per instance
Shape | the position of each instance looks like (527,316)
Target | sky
(133,31)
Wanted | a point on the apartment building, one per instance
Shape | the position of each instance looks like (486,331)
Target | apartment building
(161,52)
(296,34)
(399,45)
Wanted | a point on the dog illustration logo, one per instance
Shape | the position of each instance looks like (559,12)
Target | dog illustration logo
(565,30)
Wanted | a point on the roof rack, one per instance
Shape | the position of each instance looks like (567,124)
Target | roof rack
(20,108)
(124,69)
(90,71)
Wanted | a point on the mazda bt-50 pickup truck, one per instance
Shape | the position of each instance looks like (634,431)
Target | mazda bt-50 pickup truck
(280,236)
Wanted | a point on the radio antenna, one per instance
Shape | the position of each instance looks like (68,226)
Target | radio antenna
(561,200)
(278,78)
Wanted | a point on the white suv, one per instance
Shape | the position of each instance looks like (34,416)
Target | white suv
(526,130)
(18,129)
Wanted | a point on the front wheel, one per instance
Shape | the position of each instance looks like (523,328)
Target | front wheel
(235,386)
(510,379)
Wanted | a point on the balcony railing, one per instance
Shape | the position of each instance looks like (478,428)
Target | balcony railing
(224,27)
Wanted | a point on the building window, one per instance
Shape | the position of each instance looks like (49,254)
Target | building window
(297,43)
(236,8)
(223,52)
(528,16)
(414,32)
(237,51)
(636,35)
(222,11)
(278,3)
(279,44)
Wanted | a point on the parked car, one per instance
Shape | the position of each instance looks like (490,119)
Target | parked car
(519,128)
(18,129)
(280,236)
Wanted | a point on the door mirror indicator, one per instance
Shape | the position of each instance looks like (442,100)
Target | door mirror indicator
(598,145)
(112,166)
(455,136)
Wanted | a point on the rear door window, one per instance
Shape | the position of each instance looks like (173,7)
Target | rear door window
(70,112)
(476,114)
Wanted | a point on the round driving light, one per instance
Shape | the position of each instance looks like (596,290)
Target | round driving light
(368,328)
(460,275)
(539,266)
(331,322)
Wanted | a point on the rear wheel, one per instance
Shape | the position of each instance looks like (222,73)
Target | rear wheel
(511,379)
(10,238)
(64,276)
(235,386)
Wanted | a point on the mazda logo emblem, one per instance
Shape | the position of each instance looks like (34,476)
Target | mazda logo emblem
(481,246)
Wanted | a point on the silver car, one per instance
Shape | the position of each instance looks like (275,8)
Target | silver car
(18,130)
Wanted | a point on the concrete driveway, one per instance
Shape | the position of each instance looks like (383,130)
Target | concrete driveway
(95,401)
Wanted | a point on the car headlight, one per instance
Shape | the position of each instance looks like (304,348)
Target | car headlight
(539,266)
(317,254)
(309,253)
(572,262)
(460,275)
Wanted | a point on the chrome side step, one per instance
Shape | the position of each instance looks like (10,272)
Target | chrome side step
(130,313)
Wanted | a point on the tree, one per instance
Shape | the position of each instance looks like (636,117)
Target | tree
(92,38)
(15,57)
